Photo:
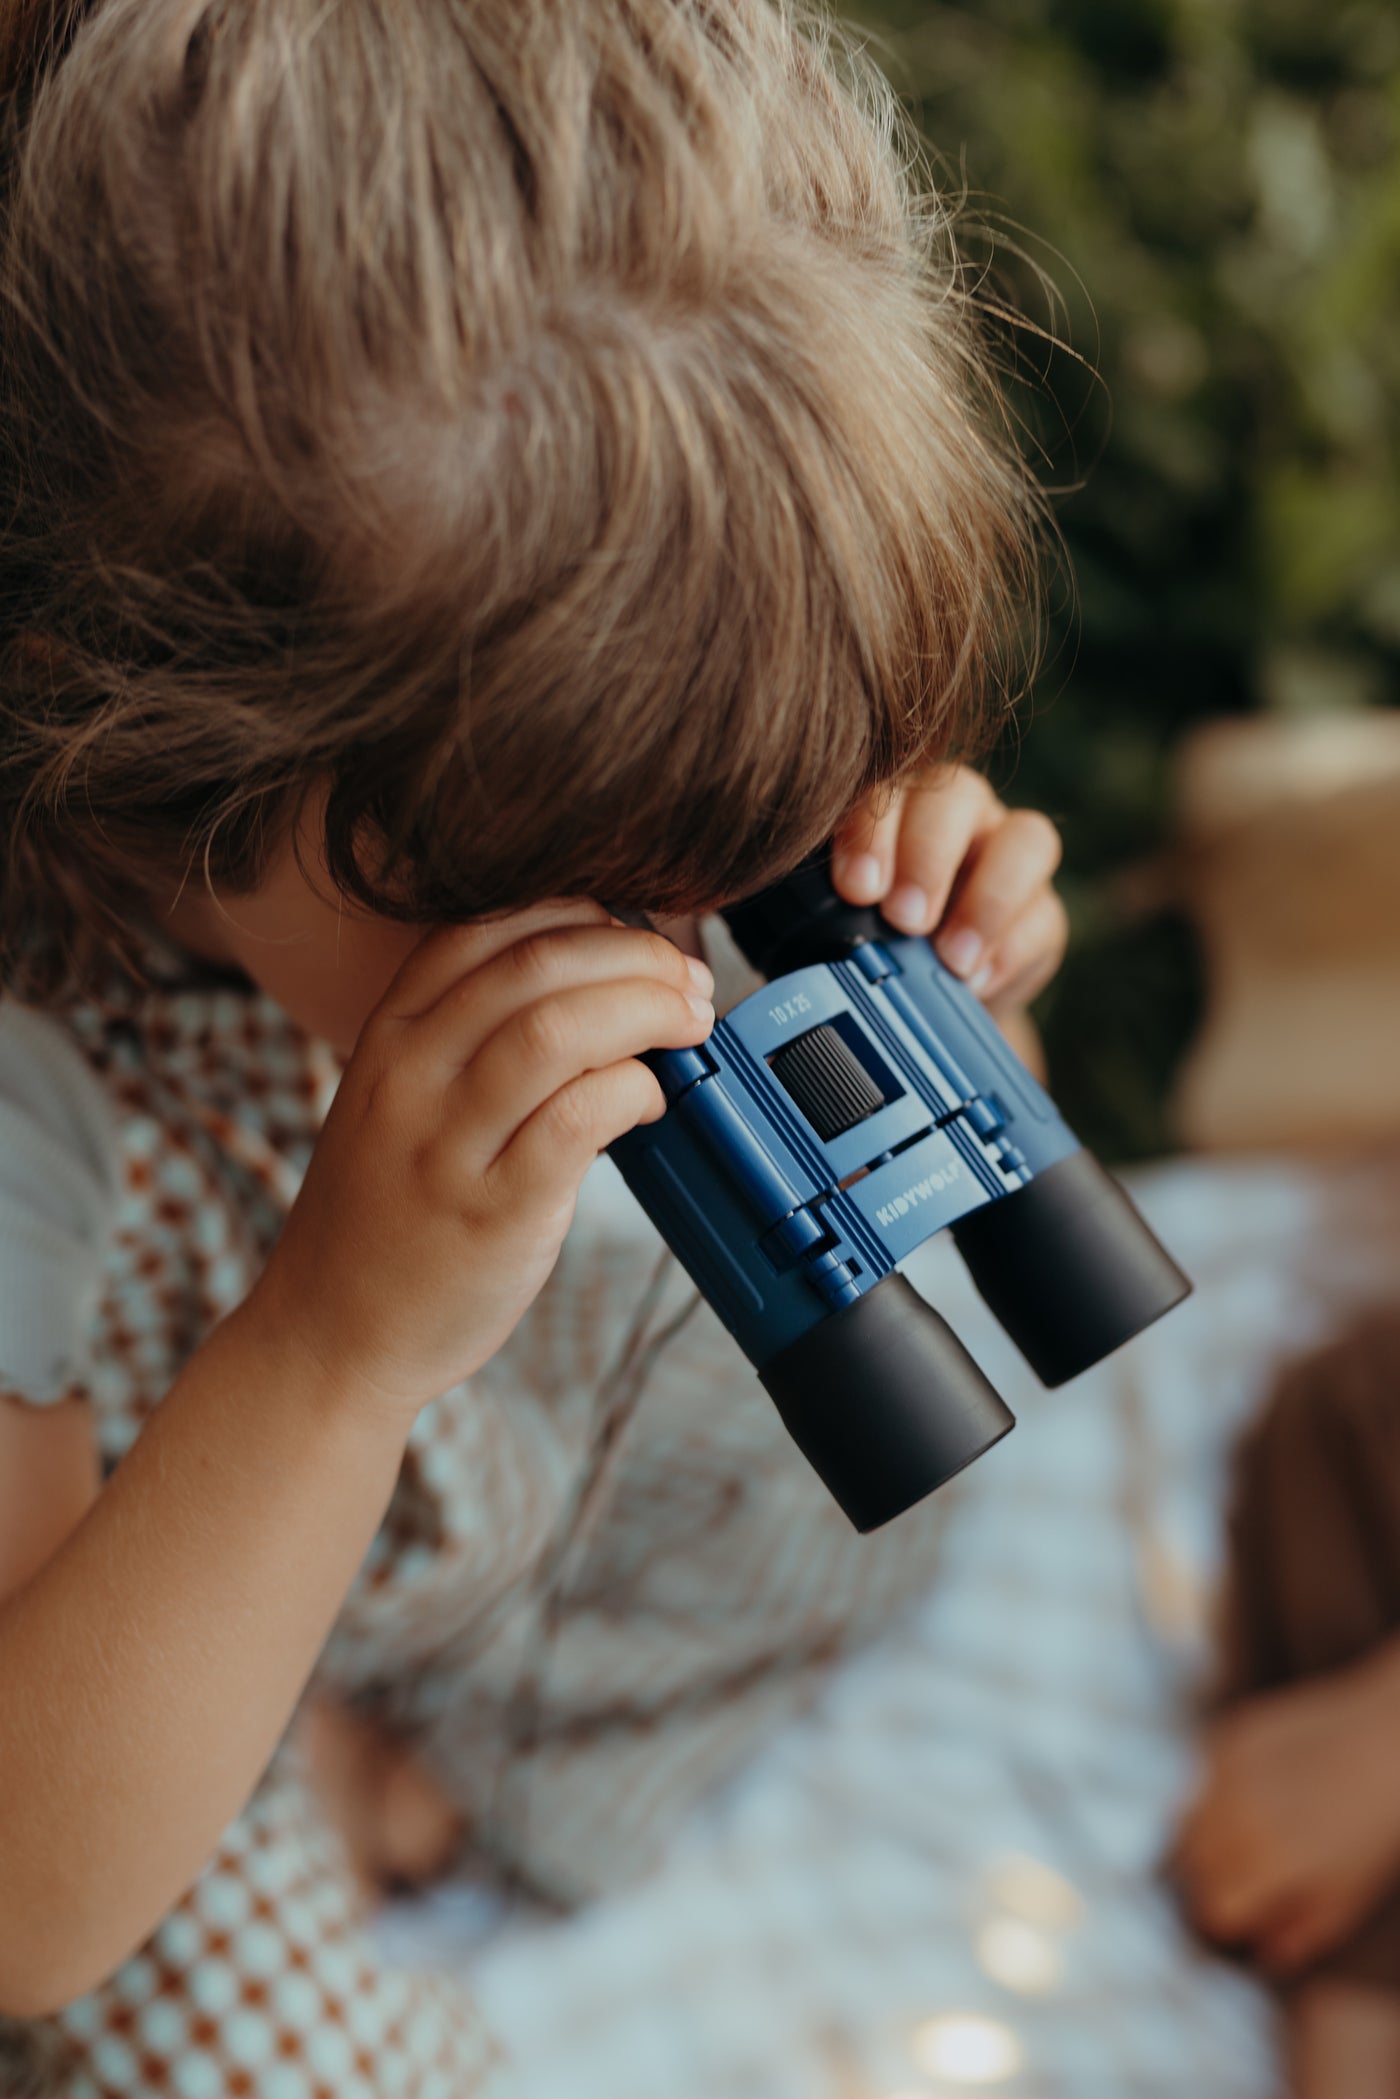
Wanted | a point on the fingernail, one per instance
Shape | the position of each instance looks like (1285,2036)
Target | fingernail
(703,1010)
(701,975)
(908,907)
(860,876)
(962,951)
(978,982)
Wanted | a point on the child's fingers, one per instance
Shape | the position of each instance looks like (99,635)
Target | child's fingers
(450,953)
(545,1046)
(909,860)
(1231,1906)
(1005,869)
(1027,955)
(1300,1930)
(552,960)
(1198,1853)
(862,857)
(1231,1889)
(554,1147)
(943,824)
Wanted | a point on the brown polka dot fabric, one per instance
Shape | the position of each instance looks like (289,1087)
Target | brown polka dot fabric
(263,1982)
(604,1576)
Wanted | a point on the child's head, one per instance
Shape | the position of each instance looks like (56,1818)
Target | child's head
(550,436)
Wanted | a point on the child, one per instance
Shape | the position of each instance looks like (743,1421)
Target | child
(462,460)
(1291,1851)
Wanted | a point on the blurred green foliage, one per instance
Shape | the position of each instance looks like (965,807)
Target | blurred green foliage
(1213,188)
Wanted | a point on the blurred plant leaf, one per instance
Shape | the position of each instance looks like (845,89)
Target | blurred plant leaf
(1214,188)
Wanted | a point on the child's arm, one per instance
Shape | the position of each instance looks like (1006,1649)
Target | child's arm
(149,1666)
(147,1670)
(1293,1837)
(48,1480)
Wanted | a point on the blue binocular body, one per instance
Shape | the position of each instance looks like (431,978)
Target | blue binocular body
(857,1105)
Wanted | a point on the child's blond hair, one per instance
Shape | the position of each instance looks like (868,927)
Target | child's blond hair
(558,426)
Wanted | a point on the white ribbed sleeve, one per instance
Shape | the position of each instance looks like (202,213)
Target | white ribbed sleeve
(58,1187)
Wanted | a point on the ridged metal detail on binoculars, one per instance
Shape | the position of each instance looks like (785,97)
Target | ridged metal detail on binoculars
(859,1104)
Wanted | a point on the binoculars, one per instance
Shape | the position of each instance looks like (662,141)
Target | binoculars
(860,1103)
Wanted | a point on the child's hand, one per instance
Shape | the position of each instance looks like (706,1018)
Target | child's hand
(500,1062)
(1294,1835)
(400,1828)
(947,854)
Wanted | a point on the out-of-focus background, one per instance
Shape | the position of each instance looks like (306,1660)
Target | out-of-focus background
(948,1874)
(1212,187)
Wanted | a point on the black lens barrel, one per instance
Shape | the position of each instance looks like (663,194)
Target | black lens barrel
(1069,1267)
(885,1402)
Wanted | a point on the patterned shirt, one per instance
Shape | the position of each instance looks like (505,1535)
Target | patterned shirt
(605,1573)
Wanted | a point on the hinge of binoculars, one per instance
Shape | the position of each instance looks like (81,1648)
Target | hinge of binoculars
(983,1113)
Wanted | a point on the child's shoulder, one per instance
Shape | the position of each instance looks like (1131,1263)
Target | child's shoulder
(58,1185)
(47,1082)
